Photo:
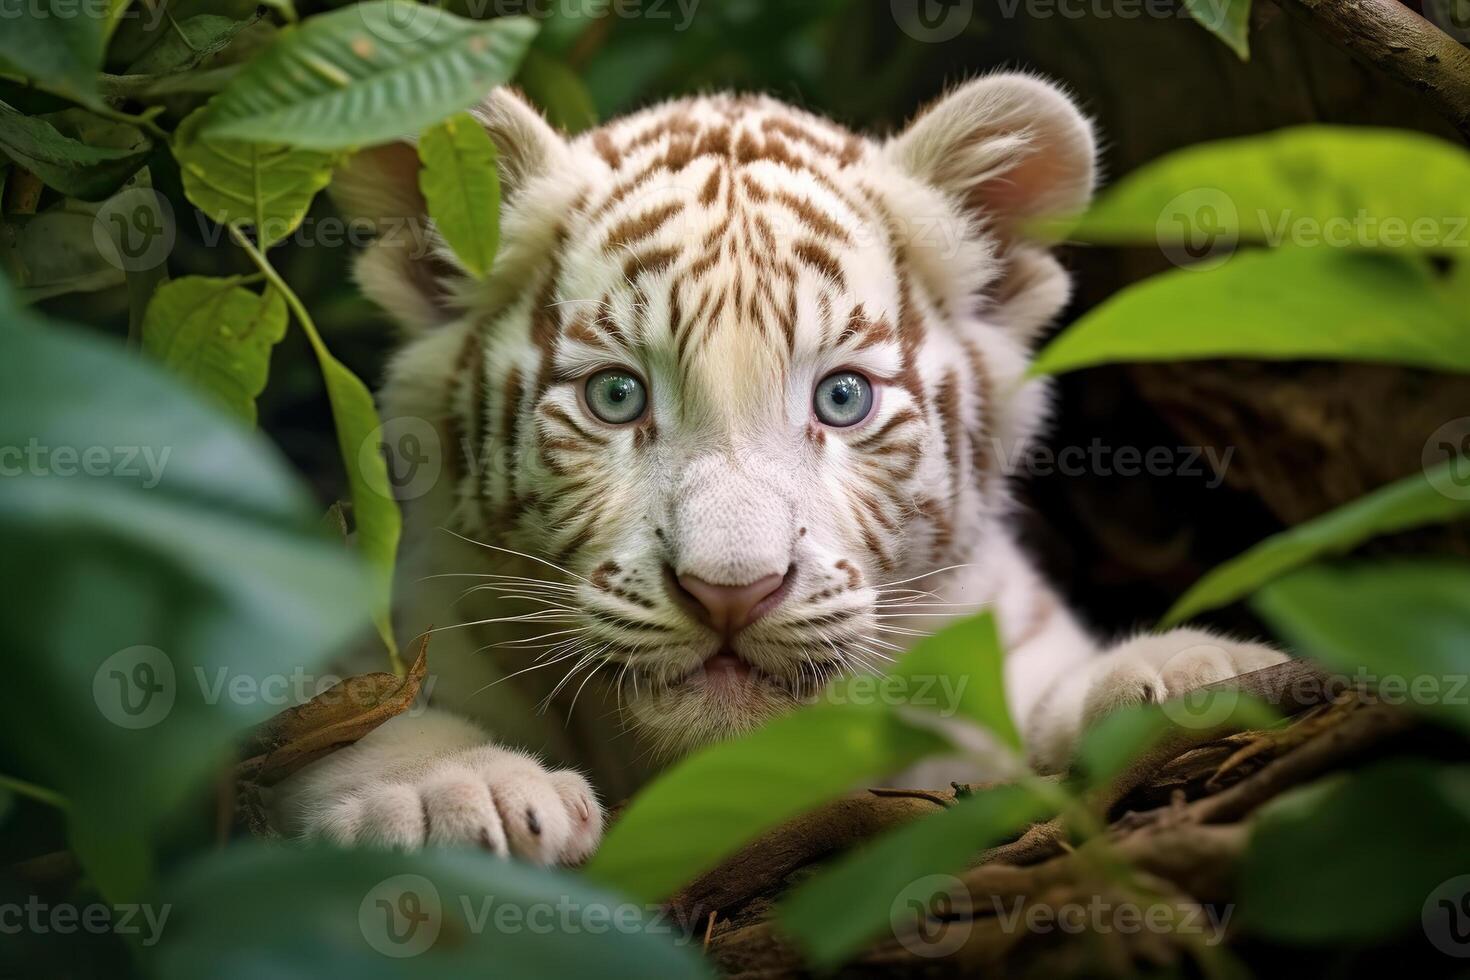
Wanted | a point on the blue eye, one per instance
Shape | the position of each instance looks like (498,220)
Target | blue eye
(843,398)
(616,397)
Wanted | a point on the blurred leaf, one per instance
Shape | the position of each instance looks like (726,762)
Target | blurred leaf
(1302,185)
(189,44)
(460,183)
(1411,502)
(835,913)
(1119,739)
(1354,859)
(710,803)
(1281,304)
(439,913)
(558,90)
(57,252)
(172,567)
(968,653)
(57,43)
(1229,20)
(1402,625)
(268,187)
(218,335)
(368,73)
(76,169)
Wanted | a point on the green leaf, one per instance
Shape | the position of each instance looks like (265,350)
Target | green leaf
(268,187)
(57,252)
(1229,20)
(76,169)
(1306,185)
(963,669)
(438,913)
(194,40)
(870,886)
(1356,859)
(461,185)
(551,84)
(1116,741)
(369,73)
(175,570)
(57,43)
(218,335)
(710,803)
(1403,626)
(374,511)
(1282,304)
(1411,502)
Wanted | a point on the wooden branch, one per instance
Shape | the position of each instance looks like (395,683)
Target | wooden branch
(1390,37)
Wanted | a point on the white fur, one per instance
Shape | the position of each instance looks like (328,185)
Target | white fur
(737,484)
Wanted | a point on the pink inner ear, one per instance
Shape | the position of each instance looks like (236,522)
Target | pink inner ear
(1051,177)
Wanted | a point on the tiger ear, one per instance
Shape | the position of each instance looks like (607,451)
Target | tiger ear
(407,270)
(1006,149)
(1009,148)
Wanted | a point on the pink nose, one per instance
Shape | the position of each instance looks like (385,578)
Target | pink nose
(728,609)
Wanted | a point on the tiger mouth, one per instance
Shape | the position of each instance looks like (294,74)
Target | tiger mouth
(727,674)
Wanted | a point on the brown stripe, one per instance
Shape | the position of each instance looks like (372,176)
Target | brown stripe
(820,259)
(631,231)
(813,217)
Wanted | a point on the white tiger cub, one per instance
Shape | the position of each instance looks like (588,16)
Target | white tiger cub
(726,419)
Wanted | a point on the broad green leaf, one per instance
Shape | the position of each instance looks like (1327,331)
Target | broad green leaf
(76,169)
(375,915)
(1357,858)
(1403,626)
(461,185)
(710,803)
(174,571)
(1280,304)
(368,73)
(218,335)
(959,672)
(57,43)
(845,906)
(268,187)
(1306,185)
(558,90)
(1411,502)
(189,44)
(1229,20)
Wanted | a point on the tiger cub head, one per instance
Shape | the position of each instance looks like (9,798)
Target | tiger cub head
(740,375)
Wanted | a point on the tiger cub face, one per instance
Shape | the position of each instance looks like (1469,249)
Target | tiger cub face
(742,375)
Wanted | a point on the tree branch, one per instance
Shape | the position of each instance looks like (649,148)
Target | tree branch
(1390,37)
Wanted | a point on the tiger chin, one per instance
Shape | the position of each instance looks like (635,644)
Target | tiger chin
(726,420)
